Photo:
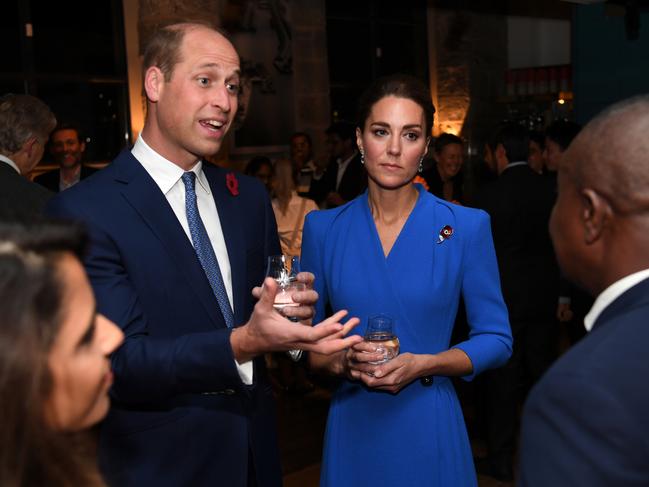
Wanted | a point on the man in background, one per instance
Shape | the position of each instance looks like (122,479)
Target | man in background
(586,421)
(67,148)
(25,125)
(344,178)
(519,205)
(302,160)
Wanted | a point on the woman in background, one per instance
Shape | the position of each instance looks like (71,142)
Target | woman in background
(54,366)
(261,168)
(444,179)
(399,250)
(289,208)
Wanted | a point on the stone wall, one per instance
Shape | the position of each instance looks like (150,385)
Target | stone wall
(311,71)
(310,109)
(471,58)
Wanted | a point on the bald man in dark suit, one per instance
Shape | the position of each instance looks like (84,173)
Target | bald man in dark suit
(586,421)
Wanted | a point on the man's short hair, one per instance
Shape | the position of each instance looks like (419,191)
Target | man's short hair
(344,130)
(538,138)
(302,134)
(446,139)
(562,133)
(22,117)
(163,48)
(68,126)
(515,140)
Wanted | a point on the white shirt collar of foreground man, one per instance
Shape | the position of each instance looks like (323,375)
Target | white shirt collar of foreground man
(611,293)
(10,162)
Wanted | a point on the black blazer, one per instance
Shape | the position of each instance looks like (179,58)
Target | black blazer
(353,182)
(20,198)
(50,179)
(519,203)
(586,421)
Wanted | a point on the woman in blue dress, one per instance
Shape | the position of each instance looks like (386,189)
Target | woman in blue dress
(400,251)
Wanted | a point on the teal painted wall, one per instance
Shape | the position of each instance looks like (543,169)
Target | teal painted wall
(607,67)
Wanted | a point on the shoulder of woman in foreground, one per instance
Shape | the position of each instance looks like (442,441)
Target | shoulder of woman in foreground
(327,217)
(461,213)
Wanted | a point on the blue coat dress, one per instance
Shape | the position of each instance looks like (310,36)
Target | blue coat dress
(416,437)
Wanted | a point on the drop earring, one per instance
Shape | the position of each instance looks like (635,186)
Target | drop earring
(421,164)
(362,157)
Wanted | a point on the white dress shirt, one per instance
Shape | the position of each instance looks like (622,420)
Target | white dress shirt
(167,176)
(611,293)
(10,162)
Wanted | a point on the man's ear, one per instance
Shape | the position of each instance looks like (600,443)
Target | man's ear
(596,214)
(153,83)
(29,146)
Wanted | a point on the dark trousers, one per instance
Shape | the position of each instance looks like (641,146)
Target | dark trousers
(252,476)
(503,390)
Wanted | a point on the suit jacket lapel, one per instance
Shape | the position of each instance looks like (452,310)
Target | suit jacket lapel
(231,220)
(146,198)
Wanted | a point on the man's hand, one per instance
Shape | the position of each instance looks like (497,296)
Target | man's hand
(306,299)
(269,331)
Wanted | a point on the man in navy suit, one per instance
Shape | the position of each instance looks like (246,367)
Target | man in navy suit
(586,421)
(177,246)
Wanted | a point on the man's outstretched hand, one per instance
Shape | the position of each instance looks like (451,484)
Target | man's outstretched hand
(269,331)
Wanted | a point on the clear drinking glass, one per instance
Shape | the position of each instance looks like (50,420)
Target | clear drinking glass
(284,269)
(380,333)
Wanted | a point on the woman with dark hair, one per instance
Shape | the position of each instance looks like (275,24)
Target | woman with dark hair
(54,366)
(403,252)
(444,179)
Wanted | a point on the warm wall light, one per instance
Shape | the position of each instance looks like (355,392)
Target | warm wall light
(134,66)
(451,114)
(561,101)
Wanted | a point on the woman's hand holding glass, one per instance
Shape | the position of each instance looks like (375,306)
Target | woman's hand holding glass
(376,361)
(390,376)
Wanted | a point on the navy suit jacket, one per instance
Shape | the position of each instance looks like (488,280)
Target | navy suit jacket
(586,423)
(180,413)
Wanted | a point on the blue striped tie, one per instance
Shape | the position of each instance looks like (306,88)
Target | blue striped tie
(204,249)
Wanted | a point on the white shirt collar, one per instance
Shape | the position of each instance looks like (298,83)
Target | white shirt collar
(514,164)
(164,172)
(611,293)
(10,162)
(344,162)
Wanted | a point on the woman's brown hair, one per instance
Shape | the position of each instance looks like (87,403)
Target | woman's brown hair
(31,295)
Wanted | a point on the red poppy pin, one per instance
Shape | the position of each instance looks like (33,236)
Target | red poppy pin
(232,183)
(445,233)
